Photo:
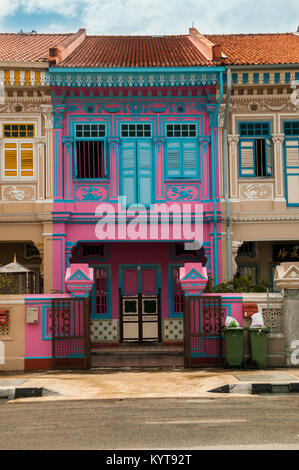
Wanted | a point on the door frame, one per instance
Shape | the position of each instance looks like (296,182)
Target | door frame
(140,296)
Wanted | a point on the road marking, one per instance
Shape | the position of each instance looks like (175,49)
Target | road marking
(201,421)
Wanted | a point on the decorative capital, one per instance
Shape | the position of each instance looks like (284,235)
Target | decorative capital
(58,115)
(67,141)
(278,139)
(159,139)
(113,140)
(204,140)
(233,139)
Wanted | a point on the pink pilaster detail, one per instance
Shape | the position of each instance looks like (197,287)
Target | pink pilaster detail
(114,166)
(159,166)
(68,166)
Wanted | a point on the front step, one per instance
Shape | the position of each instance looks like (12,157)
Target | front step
(131,355)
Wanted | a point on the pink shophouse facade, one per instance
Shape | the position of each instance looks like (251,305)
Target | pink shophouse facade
(157,147)
(136,185)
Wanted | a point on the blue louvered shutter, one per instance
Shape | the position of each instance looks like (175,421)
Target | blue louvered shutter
(189,149)
(268,157)
(128,173)
(173,159)
(247,153)
(144,158)
(292,171)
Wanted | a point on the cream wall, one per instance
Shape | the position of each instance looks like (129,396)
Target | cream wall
(12,339)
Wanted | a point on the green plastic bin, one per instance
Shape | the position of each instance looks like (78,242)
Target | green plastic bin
(234,345)
(259,346)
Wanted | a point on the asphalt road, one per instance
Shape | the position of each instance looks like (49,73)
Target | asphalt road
(220,423)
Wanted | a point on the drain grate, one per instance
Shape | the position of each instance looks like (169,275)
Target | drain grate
(280,388)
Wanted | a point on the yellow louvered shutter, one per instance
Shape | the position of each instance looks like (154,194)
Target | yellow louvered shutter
(26,160)
(10,158)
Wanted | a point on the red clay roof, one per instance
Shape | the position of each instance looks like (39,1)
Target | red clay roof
(152,51)
(258,49)
(28,47)
(136,51)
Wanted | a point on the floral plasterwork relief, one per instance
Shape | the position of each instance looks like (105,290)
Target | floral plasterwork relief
(18,193)
(252,192)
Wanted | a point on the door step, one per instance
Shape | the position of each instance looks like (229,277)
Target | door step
(138,356)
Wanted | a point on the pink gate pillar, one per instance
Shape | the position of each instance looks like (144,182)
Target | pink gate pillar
(193,278)
(79,280)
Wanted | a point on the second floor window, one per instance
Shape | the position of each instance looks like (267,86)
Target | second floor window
(91,155)
(18,152)
(255,150)
(182,151)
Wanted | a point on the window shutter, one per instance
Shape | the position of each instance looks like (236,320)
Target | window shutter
(26,160)
(292,171)
(189,159)
(144,150)
(268,157)
(173,155)
(10,158)
(247,166)
(128,176)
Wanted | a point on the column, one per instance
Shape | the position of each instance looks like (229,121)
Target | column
(204,142)
(47,112)
(58,114)
(39,144)
(279,198)
(67,143)
(233,140)
(235,247)
(159,167)
(114,166)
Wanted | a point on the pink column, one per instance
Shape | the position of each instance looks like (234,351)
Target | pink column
(68,166)
(114,166)
(159,167)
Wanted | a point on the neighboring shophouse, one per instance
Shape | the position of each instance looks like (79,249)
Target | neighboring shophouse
(26,136)
(260,154)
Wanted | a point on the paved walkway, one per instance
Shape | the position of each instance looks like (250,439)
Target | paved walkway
(103,384)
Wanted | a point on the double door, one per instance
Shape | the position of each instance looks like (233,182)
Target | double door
(140,310)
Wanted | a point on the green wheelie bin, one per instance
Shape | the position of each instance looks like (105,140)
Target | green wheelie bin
(259,346)
(234,345)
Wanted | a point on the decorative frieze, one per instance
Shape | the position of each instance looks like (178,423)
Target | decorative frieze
(256,191)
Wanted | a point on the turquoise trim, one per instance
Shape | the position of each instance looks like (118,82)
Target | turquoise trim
(69,70)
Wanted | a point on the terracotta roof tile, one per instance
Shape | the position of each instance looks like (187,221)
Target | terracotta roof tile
(28,47)
(258,49)
(136,51)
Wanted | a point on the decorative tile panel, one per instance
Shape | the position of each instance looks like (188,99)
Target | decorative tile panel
(104,330)
(185,192)
(173,330)
(89,193)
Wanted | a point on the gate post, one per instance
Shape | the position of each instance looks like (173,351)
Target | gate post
(193,279)
(79,280)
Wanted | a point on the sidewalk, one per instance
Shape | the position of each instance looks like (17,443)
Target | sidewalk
(111,384)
